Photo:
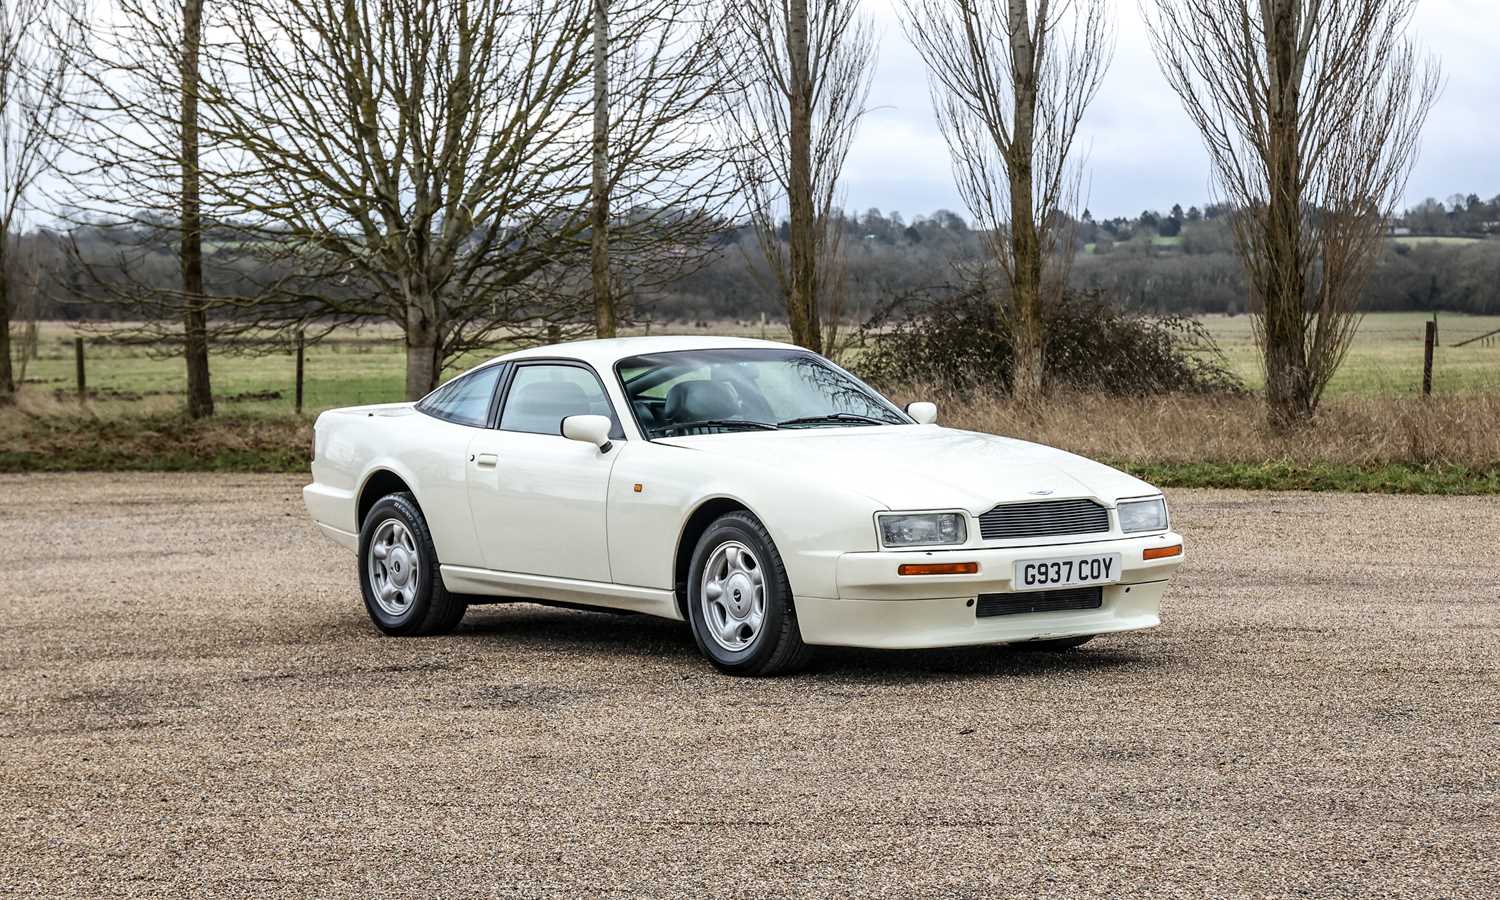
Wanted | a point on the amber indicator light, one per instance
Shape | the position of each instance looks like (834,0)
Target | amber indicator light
(1162,552)
(965,568)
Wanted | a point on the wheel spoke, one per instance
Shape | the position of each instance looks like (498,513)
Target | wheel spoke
(714,590)
(729,630)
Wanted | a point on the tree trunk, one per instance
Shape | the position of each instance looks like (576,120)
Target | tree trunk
(604,301)
(1026,291)
(1289,383)
(7,374)
(1026,251)
(1290,399)
(802,300)
(200,398)
(423,350)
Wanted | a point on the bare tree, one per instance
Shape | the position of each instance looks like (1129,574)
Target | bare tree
(419,161)
(32,263)
(801,74)
(1311,111)
(427,162)
(655,87)
(137,175)
(36,43)
(1010,82)
(604,303)
(200,395)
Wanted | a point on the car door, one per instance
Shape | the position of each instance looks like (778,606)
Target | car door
(433,449)
(538,498)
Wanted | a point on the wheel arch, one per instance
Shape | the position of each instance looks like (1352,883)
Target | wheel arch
(702,516)
(378,483)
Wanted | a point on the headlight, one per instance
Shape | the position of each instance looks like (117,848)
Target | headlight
(1143,515)
(922,529)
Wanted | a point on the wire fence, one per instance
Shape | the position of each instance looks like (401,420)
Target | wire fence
(366,366)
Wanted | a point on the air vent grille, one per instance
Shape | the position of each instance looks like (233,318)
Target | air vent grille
(1039,601)
(1048,518)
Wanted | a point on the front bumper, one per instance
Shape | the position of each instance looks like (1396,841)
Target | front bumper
(875,607)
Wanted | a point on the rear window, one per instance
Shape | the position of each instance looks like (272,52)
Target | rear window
(464,400)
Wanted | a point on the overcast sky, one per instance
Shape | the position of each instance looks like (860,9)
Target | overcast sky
(1142,152)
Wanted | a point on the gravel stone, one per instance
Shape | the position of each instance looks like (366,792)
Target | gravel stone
(192,701)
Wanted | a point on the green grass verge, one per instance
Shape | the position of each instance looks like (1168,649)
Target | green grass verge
(1395,478)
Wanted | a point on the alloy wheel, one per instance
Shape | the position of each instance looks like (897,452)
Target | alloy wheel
(734,596)
(394,567)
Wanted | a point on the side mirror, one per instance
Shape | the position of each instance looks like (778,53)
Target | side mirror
(589,429)
(925,413)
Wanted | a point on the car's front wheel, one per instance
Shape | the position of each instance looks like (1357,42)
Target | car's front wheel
(399,574)
(740,602)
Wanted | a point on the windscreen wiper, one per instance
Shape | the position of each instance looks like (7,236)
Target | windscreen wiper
(835,417)
(722,423)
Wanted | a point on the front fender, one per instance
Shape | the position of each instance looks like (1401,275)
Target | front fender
(812,524)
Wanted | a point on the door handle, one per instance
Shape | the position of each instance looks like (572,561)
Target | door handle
(486,460)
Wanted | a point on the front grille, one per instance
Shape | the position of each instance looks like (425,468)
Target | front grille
(1039,601)
(1047,518)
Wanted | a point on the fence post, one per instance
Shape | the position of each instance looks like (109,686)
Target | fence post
(301,351)
(83,386)
(1427,359)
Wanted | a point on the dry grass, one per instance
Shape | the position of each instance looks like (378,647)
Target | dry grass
(1356,431)
(1388,444)
(45,434)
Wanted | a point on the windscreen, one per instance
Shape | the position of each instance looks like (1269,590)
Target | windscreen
(713,391)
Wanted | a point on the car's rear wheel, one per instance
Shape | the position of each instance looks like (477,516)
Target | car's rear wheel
(740,602)
(399,574)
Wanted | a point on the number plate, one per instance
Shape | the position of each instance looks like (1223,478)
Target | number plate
(1066,571)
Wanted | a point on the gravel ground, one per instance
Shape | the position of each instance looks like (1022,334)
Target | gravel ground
(192,701)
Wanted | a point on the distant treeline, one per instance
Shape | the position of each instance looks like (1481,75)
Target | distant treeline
(1441,256)
(1180,261)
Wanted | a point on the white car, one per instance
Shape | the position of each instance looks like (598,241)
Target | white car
(753,489)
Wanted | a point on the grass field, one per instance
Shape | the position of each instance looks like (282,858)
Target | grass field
(366,366)
(1416,240)
(1386,359)
(358,366)
(1375,432)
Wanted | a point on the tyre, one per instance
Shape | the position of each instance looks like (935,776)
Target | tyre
(398,572)
(1058,645)
(740,602)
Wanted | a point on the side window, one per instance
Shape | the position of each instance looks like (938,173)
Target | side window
(541,396)
(465,400)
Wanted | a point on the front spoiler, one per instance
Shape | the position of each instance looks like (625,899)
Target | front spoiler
(951,622)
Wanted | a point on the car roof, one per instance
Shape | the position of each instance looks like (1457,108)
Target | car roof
(603,354)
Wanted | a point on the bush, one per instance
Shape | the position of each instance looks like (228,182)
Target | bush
(956,340)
